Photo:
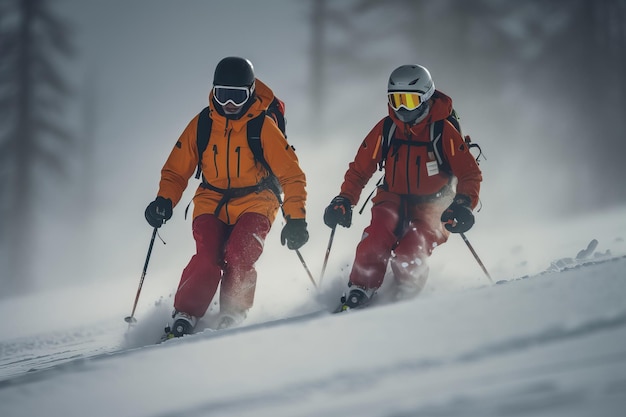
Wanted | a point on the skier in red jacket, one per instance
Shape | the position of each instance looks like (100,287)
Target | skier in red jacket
(431,185)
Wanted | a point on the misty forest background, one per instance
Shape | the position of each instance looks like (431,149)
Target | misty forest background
(552,68)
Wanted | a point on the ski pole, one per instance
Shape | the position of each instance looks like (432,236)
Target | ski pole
(330,244)
(371,194)
(306,268)
(476,256)
(131,319)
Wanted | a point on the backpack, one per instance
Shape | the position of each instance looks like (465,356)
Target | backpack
(276,110)
(435,145)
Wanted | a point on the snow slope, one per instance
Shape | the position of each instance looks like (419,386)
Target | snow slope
(550,344)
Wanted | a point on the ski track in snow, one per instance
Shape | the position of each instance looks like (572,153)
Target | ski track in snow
(594,340)
(34,354)
(536,393)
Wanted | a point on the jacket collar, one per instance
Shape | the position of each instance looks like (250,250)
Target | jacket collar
(262,99)
(440,109)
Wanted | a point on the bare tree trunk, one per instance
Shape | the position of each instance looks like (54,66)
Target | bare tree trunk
(618,50)
(34,140)
(21,211)
(318,63)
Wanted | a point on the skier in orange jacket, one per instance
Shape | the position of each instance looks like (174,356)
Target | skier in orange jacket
(431,185)
(233,206)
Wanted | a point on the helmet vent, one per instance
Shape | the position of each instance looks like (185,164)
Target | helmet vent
(410,78)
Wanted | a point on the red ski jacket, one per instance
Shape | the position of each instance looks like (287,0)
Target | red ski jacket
(413,170)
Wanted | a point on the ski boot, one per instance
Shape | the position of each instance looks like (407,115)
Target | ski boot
(183,324)
(357,298)
(230,319)
(408,289)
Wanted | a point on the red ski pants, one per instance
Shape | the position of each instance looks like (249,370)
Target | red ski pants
(223,253)
(411,246)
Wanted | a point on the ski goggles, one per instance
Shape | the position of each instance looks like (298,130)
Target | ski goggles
(409,101)
(235,95)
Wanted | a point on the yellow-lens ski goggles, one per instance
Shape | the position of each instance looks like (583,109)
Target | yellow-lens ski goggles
(409,101)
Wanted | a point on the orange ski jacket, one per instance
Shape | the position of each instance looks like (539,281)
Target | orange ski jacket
(228,162)
(412,169)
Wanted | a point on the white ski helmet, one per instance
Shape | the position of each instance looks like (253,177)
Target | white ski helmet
(408,90)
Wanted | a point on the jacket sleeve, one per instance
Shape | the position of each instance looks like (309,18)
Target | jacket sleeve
(462,163)
(283,161)
(180,164)
(361,169)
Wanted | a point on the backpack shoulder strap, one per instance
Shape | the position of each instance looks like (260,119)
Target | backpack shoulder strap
(202,136)
(389,129)
(436,136)
(454,120)
(254,140)
(276,110)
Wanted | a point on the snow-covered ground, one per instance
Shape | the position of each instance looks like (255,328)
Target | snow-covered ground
(550,344)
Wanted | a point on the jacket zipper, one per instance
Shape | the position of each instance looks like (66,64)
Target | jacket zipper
(407,132)
(395,167)
(418,162)
(238,150)
(228,132)
(215,160)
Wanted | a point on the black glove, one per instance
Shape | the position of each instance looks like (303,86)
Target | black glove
(294,233)
(338,212)
(458,216)
(159,211)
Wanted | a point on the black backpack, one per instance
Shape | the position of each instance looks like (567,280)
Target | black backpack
(276,110)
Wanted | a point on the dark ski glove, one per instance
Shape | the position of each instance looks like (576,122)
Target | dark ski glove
(338,212)
(159,211)
(458,217)
(294,233)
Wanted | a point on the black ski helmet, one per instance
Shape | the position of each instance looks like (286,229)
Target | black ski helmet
(234,71)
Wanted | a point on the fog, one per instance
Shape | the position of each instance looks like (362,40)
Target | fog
(144,69)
